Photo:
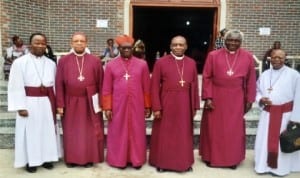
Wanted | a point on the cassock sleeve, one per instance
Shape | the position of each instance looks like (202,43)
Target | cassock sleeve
(146,86)
(16,95)
(59,84)
(296,107)
(156,86)
(107,88)
(207,75)
(195,85)
(251,81)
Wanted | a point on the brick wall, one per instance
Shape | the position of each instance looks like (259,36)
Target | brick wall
(58,19)
(282,16)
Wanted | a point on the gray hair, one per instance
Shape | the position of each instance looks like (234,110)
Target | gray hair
(237,34)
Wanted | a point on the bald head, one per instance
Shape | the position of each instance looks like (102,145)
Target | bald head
(79,42)
(178,45)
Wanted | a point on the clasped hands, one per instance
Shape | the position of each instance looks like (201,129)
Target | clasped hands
(265,101)
(108,113)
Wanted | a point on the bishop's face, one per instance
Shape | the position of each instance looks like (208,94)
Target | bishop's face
(178,46)
(277,58)
(232,43)
(126,50)
(38,45)
(79,43)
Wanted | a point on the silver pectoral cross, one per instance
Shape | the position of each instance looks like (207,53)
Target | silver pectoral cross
(80,78)
(230,72)
(181,82)
(126,76)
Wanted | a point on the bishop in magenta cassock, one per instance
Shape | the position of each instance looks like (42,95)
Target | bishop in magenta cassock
(126,102)
(78,80)
(228,88)
(175,99)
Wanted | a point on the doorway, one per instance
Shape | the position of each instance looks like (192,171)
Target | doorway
(157,25)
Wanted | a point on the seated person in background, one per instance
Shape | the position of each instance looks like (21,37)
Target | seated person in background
(110,51)
(18,49)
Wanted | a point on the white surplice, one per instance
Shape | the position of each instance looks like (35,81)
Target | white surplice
(35,137)
(285,84)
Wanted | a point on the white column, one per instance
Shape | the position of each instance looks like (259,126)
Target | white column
(1,57)
(223,15)
(126,16)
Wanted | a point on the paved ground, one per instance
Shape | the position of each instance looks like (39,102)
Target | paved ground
(245,170)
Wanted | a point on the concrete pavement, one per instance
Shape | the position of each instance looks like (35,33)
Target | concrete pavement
(245,170)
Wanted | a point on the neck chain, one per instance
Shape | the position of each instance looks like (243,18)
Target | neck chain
(230,71)
(42,87)
(181,81)
(80,69)
(125,66)
(270,89)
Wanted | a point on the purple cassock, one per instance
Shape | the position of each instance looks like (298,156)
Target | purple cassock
(230,81)
(77,80)
(126,92)
(174,91)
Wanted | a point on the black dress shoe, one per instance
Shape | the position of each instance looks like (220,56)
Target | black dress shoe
(207,163)
(71,165)
(48,165)
(31,169)
(233,167)
(190,169)
(160,169)
(137,167)
(88,165)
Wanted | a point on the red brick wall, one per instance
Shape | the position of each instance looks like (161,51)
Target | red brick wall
(282,16)
(58,19)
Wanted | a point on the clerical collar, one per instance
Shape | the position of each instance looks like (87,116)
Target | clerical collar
(36,57)
(177,57)
(79,55)
(231,52)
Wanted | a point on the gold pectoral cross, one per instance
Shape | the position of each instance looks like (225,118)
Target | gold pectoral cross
(126,76)
(181,82)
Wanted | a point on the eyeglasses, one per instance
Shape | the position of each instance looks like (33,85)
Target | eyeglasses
(125,47)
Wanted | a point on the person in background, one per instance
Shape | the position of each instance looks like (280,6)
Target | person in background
(175,100)
(18,49)
(110,51)
(31,94)
(228,89)
(219,43)
(278,95)
(126,103)
(49,53)
(139,49)
(78,89)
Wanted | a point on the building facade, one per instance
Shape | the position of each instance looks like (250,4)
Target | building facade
(58,19)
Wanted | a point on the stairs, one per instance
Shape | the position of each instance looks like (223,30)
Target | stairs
(7,123)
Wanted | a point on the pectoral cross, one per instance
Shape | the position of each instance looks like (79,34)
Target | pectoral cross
(126,76)
(230,72)
(270,89)
(181,82)
(81,78)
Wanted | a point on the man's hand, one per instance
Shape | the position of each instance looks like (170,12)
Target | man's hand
(23,113)
(208,104)
(60,111)
(108,114)
(264,101)
(157,114)
(147,112)
(248,106)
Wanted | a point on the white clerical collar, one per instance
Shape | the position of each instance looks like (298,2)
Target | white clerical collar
(36,57)
(177,57)
(231,52)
